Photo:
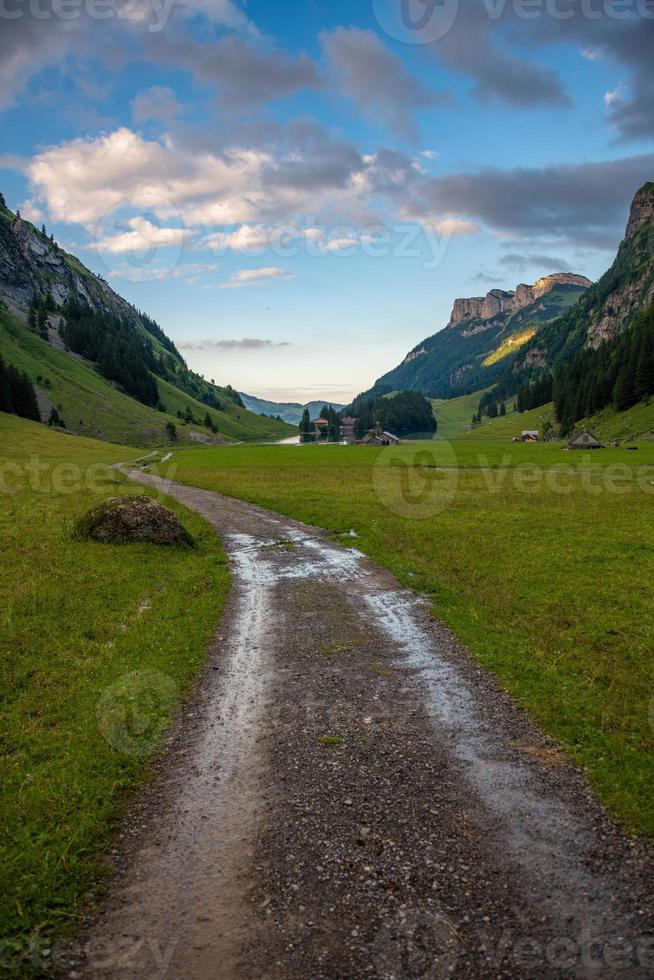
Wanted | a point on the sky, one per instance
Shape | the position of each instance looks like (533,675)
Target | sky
(298,192)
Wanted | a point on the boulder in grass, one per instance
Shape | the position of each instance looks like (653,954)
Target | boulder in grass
(123,519)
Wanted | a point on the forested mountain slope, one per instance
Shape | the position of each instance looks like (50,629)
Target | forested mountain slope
(484,336)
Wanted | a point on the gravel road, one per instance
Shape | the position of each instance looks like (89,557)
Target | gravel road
(348,794)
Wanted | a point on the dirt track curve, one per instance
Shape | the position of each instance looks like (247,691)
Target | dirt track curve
(349,795)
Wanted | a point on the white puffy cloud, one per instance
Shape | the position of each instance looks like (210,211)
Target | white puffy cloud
(255,277)
(84,180)
(141,235)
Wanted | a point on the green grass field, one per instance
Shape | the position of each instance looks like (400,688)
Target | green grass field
(77,621)
(541,560)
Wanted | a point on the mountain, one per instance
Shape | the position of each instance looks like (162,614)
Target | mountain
(600,354)
(108,370)
(610,305)
(483,336)
(290,412)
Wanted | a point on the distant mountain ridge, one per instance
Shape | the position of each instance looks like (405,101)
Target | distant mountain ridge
(483,335)
(290,412)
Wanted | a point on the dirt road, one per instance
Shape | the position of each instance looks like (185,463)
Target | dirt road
(349,795)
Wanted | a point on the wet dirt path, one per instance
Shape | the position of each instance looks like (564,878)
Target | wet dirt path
(349,795)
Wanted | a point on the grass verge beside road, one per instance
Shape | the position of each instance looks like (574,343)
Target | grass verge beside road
(542,561)
(97,645)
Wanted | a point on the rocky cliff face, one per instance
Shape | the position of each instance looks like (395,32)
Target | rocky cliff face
(32,265)
(642,210)
(632,273)
(499,301)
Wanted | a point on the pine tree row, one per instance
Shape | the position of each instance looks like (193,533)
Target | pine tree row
(619,373)
(17,395)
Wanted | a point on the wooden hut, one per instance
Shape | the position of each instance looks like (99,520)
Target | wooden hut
(584,440)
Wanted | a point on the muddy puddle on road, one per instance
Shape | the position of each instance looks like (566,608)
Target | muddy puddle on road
(352,796)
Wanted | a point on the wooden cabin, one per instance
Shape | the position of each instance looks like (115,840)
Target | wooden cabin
(584,440)
(377,437)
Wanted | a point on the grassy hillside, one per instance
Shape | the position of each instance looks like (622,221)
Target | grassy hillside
(546,573)
(635,423)
(92,406)
(78,621)
(454,415)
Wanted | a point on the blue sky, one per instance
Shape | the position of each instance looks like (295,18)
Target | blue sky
(298,192)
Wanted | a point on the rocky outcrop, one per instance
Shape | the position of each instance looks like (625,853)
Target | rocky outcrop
(466,309)
(31,265)
(642,210)
(618,310)
(413,355)
(500,301)
(123,519)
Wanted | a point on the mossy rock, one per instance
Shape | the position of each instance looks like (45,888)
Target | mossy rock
(120,520)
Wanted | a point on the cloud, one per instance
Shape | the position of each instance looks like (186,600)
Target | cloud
(376,79)
(548,263)
(584,204)
(485,279)
(29,44)
(11,161)
(248,239)
(142,236)
(190,272)
(245,75)
(85,180)
(626,41)
(158,103)
(453,227)
(255,277)
(470,48)
(246,344)
(613,97)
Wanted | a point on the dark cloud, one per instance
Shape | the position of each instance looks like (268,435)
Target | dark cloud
(629,42)
(584,204)
(548,263)
(27,45)
(156,103)
(470,48)
(377,80)
(485,279)
(248,343)
(311,159)
(245,75)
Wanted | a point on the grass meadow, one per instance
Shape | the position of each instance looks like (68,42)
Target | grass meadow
(97,645)
(541,560)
